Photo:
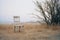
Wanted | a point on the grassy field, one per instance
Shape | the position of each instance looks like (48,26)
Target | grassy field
(31,31)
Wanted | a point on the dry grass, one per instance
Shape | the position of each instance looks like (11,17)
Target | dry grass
(31,32)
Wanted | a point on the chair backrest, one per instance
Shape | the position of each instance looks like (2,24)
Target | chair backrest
(16,20)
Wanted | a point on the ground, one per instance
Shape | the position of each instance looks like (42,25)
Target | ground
(30,32)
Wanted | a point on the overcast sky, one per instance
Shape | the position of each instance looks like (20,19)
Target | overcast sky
(10,8)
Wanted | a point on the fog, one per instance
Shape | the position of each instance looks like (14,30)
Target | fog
(22,8)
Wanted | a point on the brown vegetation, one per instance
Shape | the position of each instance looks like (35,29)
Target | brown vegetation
(31,31)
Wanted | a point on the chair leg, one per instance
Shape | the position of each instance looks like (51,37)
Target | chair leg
(19,28)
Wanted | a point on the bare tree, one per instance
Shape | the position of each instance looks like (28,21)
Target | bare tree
(50,11)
